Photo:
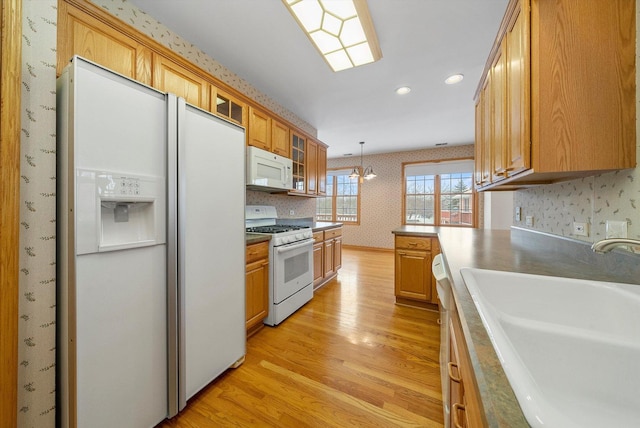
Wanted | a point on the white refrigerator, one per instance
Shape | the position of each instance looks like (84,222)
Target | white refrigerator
(151,298)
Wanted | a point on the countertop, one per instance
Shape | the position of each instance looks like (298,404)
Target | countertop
(514,250)
(323,225)
(255,238)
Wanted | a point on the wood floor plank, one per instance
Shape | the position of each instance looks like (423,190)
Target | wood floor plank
(350,357)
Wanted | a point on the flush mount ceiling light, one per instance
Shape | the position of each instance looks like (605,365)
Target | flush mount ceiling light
(402,90)
(341,30)
(361,173)
(453,79)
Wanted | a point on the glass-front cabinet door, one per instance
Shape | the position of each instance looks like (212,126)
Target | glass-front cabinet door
(228,107)
(298,157)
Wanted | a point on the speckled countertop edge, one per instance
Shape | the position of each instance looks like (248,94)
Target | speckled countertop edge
(254,238)
(516,251)
(321,225)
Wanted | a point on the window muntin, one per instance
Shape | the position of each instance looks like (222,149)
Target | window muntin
(443,197)
(342,202)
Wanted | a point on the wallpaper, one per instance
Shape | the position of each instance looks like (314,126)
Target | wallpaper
(591,200)
(594,199)
(286,206)
(148,25)
(37,298)
(381,198)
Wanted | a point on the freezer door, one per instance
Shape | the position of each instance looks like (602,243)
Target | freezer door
(211,197)
(112,341)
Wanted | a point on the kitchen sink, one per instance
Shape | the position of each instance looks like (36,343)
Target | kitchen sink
(570,348)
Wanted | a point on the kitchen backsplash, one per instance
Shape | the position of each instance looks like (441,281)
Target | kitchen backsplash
(148,25)
(592,200)
(286,206)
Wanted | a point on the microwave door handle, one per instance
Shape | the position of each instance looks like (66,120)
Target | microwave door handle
(286,175)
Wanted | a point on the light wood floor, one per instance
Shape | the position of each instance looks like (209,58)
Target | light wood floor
(348,358)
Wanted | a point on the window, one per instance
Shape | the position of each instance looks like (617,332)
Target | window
(342,203)
(439,194)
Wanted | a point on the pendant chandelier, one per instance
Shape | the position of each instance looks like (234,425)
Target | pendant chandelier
(360,172)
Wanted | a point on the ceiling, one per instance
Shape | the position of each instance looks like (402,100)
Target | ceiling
(422,43)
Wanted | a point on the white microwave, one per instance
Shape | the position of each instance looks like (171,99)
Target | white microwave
(268,172)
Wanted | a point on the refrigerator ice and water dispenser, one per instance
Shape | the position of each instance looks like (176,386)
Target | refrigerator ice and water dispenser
(119,211)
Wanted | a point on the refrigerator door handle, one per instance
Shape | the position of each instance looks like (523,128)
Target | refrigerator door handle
(181,228)
(173,293)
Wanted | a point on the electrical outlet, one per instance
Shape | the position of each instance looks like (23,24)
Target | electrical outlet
(292,212)
(580,229)
(518,214)
(529,220)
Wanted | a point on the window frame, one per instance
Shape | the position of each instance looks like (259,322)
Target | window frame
(437,222)
(334,196)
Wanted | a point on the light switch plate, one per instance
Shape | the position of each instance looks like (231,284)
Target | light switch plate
(616,229)
(518,214)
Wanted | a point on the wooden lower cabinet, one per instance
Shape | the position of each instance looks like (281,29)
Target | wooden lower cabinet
(318,258)
(257,286)
(414,282)
(466,406)
(327,255)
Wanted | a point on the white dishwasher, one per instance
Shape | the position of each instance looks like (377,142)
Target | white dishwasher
(443,286)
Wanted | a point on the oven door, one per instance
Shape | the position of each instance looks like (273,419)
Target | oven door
(292,268)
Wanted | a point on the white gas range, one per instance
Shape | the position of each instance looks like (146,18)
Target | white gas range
(290,261)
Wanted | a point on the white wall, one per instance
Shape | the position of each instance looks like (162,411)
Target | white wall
(498,210)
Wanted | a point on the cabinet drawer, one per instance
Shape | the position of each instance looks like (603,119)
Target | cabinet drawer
(413,243)
(318,236)
(332,233)
(257,252)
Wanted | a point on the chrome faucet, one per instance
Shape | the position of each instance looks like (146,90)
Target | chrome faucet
(606,245)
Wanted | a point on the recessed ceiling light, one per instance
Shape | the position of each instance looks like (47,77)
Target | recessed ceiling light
(453,79)
(402,90)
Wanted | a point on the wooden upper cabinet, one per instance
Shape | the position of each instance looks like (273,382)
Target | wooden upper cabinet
(479,142)
(268,133)
(90,31)
(298,156)
(487,133)
(280,144)
(81,34)
(568,103)
(259,129)
(309,158)
(312,167)
(322,170)
(498,101)
(228,106)
(518,135)
(171,77)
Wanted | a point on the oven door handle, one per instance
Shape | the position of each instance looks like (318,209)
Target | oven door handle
(294,246)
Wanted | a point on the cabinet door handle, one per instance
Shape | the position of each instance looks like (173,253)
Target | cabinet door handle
(450,366)
(455,409)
